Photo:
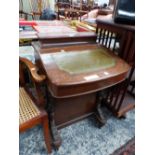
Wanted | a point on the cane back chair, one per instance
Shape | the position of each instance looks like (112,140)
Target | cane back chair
(31,111)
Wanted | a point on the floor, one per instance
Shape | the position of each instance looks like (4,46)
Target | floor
(84,137)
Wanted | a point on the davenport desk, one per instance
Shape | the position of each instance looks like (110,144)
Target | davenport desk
(76,74)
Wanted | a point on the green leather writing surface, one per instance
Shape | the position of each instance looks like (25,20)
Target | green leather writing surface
(83,61)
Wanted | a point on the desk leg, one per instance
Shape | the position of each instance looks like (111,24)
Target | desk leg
(99,114)
(56,139)
(55,133)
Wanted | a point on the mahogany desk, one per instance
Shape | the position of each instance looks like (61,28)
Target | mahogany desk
(110,35)
(75,91)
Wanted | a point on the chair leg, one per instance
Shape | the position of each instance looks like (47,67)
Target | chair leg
(47,135)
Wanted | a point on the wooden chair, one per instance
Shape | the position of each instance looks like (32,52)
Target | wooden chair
(121,40)
(31,114)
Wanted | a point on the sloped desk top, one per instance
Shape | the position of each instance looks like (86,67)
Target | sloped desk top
(76,70)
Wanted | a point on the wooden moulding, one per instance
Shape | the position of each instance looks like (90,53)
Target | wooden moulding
(50,40)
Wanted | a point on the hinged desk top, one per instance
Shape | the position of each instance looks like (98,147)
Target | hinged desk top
(88,68)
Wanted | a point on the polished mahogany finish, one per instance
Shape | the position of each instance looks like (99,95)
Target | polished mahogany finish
(75,96)
(61,39)
(63,84)
(68,110)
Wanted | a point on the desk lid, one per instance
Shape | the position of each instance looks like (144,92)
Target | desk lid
(73,65)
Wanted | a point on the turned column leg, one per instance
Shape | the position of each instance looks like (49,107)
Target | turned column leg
(55,134)
(47,135)
(56,139)
(99,114)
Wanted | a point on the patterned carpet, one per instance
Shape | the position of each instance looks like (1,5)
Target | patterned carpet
(83,138)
